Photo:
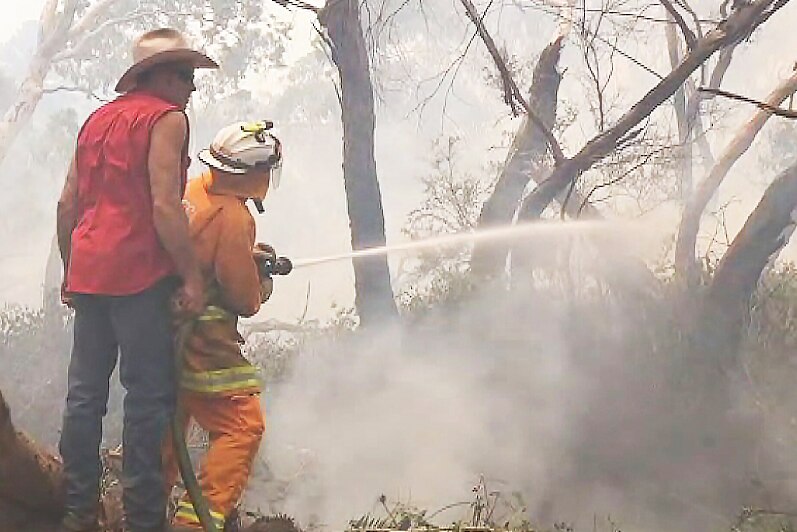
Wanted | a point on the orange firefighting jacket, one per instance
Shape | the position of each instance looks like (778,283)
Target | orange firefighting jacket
(223,234)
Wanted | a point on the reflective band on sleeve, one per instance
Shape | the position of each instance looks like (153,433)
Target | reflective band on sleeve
(186,513)
(214,313)
(221,380)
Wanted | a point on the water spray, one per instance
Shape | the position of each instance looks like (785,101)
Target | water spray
(497,234)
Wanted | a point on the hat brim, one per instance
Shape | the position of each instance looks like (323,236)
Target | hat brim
(207,157)
(183,55)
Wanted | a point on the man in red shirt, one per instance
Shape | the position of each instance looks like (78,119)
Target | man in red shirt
(127,256)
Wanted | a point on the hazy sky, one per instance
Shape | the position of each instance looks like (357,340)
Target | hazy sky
(13,18)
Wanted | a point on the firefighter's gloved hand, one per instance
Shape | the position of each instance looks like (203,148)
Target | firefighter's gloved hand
(263,253)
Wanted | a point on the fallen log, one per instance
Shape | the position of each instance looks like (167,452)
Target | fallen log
(31,482)
(31,488)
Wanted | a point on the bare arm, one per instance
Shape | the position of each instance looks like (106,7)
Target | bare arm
(171,223)
(66,217)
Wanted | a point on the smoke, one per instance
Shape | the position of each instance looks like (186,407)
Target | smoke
(415,415)
(583,397)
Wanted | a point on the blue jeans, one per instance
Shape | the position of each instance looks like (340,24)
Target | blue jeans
(136,329)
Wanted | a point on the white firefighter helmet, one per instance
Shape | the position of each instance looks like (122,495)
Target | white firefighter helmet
(243,146)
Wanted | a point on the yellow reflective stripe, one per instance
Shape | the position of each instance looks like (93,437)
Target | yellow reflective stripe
(214,313)
(186,512)
(221,380)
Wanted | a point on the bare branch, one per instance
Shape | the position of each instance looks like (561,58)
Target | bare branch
(80,41)
(89,18)
(556,13)
(512,93)
(541,4)
(300,4)
(689,35)
(737,26)
(690,222)
(83,90)
(764,106)
(645,159)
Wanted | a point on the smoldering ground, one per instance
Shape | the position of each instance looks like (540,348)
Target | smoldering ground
(583,394)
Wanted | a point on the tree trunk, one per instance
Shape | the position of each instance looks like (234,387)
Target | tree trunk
(53,36)
(737,26)
(684,151)
(524,162)
(374,296)
(764,234)
(685,243)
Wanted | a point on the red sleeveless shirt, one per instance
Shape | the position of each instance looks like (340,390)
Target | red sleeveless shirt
(115,248)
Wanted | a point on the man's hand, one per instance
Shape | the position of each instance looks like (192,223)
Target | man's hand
(66,297)
(190,298)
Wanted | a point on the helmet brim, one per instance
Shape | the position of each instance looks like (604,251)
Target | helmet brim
(207,157)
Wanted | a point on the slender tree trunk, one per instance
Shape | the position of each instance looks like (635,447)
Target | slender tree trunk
(686,241)
(737,26)
(53,35)
(684,151)
(374,296)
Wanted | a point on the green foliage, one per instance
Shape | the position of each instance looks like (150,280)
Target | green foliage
(274,348)
(243,36)
(452,203)
(485,512)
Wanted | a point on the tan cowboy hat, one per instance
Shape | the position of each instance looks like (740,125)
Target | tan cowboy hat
(164,45)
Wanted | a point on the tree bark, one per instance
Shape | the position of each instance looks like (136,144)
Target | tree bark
(764,234)
(53,35)
(524,162)
(374,296)
(685,244)
(31,494)
(736,27)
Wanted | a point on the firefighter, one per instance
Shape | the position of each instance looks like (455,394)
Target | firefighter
(219,388)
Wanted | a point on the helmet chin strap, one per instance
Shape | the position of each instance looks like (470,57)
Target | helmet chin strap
(259,206)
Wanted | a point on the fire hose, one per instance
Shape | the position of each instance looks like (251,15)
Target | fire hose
(267,266)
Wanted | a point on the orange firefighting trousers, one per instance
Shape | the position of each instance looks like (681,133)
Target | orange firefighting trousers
(235,425)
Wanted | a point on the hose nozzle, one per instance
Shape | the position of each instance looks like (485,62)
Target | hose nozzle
(274,266)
